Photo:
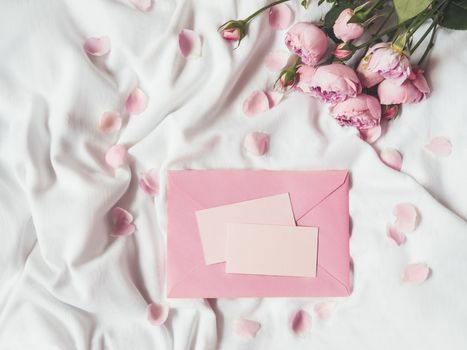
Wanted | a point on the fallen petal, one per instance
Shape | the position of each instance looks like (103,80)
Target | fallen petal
(157,313)
(406,217)
(116,156)
(246,328)
(391,158)
(256,143)
(121,222)
(257,102)
(324,309)
(276,60)
(280,16)
(439,146)
(396,236)
(370,135)
(301,323)
(274,97)
(142,5)
(136,102)
(110,122)
(149,182)
(189,43)
(97,46)
(416,273)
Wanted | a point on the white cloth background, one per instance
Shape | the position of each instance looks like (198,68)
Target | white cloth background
(66,284)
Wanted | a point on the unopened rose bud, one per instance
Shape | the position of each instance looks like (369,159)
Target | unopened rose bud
(233,30)
(344,51)
(288,79)
(390,111)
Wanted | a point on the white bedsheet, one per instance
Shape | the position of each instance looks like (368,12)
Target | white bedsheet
(66,284)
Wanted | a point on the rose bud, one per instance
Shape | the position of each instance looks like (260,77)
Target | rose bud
(233,30)
(362,112)
(307,41)
(390,111)
(385,59)
(347,31)
(335,83)
(413,90)
(367,77)
(344,51)
(288,78)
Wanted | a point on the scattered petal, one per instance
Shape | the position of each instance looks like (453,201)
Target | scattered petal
(246,328)
(391,158)
(406,217)
(136,102)
(276,60)
(280,16)
(110,122)
(416,273)
(370,135)
(97,46)
(257,102)
(274,97)
(189,43)
(439,146)
(142,5)
(396,236)
(157,313)
(149,182)
(116,156)
(121,222)
(324,309)
(301,323)
(256,143)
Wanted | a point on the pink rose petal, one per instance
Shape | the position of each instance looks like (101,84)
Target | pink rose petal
(157,313)
(116,156)
(142,5)
(396,236)
(439,146)
(256,143)
(324,309)
(256,103)
(274,97)
(97,46)
(391,158)
(189,43)
(149,182)
(121,222)
(246,328)
(280,16)
(370,135)
(416,273)
(276,60)
(110,122)
(136,102)
(406,217)
(301,323)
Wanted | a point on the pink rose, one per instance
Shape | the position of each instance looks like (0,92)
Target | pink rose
(307,41)
(347,31)
(368,78)
(384,59)
(363,112)
(413,90)
(305,74)
(335,83)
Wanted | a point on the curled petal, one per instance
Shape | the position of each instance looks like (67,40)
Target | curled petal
(246,328)
(116,156)
(396,236)
(189,43)
(256,103)
(142,5)
(121,222)
(256,143)
(274,97)
(300,323)
(391,158)
(97,46)
(276,60)
(136,102)
(157,313)
(439,146)
(324,309)
(406,217)
(110,122)
(149,182)
(416,273)
(280,16)
(370,135)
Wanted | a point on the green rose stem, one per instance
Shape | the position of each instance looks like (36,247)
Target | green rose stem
(253,15)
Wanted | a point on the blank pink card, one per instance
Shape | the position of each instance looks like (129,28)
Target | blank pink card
(271,250)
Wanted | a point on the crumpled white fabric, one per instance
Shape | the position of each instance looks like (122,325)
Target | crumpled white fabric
(66,284)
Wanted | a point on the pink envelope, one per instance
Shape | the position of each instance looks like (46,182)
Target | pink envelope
(319,199)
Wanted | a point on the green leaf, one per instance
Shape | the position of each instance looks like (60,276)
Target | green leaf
(407,9)
(455,15)
(305,3)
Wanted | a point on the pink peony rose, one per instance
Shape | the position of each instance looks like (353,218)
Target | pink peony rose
(307,41)
(335,83)
(368,78)
(305,74)
(413,90)
(384,59)
(347,31)
(363,112)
